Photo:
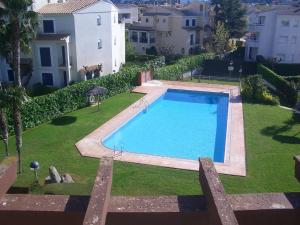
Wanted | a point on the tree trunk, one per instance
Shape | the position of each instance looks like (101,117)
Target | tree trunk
(16,108)
(18,133)
(4,131)
(16,52)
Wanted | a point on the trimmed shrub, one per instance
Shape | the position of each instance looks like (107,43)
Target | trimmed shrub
(254,90)
(285,69)
(285,90)
(44,108)
(175,71)
(217,67)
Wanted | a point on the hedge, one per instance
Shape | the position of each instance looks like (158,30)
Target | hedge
(175,71)
(285,69)
(44,108)
(284,88)
(217,67)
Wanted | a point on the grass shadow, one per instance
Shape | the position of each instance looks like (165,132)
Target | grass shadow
(64,120)
(276,131)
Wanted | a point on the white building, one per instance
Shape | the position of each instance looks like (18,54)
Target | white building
(165,28)
(76,38)
(275,34)
(128,13)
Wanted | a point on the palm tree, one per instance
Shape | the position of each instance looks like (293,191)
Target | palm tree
(3,120)
(16,96)
(17,30)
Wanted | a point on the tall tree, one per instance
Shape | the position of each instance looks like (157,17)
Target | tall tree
(3,119)
(15,96)
(220,38)
(232,14)
(17,30)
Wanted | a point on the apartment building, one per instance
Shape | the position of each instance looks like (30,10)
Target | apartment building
(275,34)
(179,31)
(128,13)
(76,40)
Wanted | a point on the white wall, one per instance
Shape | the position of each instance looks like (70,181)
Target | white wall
(88,32)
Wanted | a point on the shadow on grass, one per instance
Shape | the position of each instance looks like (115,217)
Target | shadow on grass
(64,120)
(276,131)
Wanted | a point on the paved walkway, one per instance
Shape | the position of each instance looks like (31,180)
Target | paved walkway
(234,164)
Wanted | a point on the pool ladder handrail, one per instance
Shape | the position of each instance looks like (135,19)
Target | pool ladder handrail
(145,102)
(117,152)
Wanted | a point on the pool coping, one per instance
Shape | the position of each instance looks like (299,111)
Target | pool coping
(234,162)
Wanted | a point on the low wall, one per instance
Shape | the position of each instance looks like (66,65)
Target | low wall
(8,174)
(144,76)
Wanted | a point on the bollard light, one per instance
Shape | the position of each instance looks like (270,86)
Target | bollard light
(35,166)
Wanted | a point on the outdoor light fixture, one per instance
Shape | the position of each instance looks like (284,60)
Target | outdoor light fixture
(35,166)
(230,68)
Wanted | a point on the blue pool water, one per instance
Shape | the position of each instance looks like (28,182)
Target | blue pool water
(180,124)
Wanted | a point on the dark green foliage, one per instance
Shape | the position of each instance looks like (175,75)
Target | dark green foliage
(232,14)
(217,67)
(285,69)
(175,71)
(38,89)
(254,90)
(286,91)
(47,107)
(151,51)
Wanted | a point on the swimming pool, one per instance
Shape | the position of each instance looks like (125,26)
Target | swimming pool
(179,124)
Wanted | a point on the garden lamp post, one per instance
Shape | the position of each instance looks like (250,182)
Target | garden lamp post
(230,68)
(35,166)
(241,71)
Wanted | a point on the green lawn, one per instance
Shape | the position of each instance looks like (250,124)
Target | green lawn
(272,138)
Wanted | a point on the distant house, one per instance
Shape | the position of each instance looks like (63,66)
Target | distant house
(274,33)
(77,40)
(128,13)
(179,31)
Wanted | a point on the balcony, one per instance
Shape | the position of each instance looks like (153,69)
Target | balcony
(197,27)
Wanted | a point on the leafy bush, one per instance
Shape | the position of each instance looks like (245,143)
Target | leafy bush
(217,67)
(44,108)
(38,89)
(254,90)
(285,90)
(175,71)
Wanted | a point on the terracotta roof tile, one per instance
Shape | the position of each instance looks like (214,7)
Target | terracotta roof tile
(66,7)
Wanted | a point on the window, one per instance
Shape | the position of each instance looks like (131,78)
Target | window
(294,39)
(115,41)
(47,79)
(187,23)
(134,36)
(193,22)
(48,26)
(45,56)
(182,51)
(115,62)
(157,20)
(99,44)
(283,39)
(296,23)
(285,23)
(261,20)
(147,20)
(10,75)
(98,20)
(191,39)
(143,37)
(164,20)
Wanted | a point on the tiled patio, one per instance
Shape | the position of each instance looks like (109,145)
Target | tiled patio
(234,164)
